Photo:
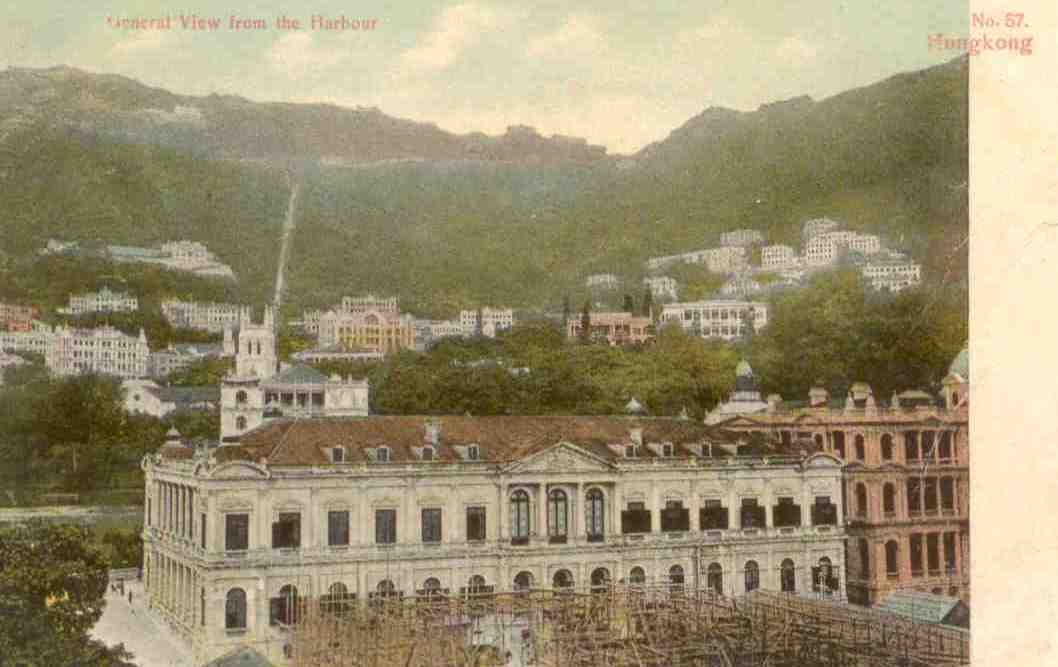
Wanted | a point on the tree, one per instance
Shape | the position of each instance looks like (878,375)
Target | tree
(566,311)
(52,584)
(648,303)
(585,323)
(629,304)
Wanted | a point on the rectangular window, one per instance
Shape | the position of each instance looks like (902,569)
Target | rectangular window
(944,448)
(786,513)
(752,514)
(916,555)
(476,524)
(930,494)
(824,512)
(713,516)
(636,519)
(947,493)
(338,528)
(911,445)
(431,525)
(385,526)
(202,525)
(338,455)
(839,443)
(675,517)
(933,552)
(286,532)
(914,501)
(236,532)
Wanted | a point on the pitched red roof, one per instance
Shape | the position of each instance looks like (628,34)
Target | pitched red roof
(501,439)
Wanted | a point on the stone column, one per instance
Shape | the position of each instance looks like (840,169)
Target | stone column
(541,511)
(693,510)
(655,509)
(504,510)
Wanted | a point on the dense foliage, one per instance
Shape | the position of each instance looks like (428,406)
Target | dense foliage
(834,332)
(52,587)
(72,434)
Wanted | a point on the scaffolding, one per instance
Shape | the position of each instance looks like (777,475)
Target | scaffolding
(619,625)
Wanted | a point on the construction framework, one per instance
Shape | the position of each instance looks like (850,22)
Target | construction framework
(616,626)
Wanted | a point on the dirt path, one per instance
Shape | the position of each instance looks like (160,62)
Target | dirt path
(284,249)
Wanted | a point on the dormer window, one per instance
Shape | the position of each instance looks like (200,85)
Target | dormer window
(473,453)
(382,454)
(631,451)
(666,449)
(338,455)
(427,453)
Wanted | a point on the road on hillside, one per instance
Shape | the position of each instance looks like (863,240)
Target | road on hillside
(284,249)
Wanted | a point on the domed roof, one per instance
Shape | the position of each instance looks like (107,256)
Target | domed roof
(744,380)
(743,369)
(961,365)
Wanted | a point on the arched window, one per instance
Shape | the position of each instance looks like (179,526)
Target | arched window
(788,576)
(594,509)
(823,577)
(861,500)
(386,589)
(562,579)
(235,609)
(240,423)
(637,576)
(337,599)
(557,524)
(892,552)
(284,607)
(752,576)
(600,579)
(715,578)
(819,440)
(889,499)
(476,585)
(887,447)
(240,397)
(861,450)
(676,577)
(523,581)
(520,517)
(431,586)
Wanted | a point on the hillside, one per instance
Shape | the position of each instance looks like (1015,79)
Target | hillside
(226,126)
(446,221)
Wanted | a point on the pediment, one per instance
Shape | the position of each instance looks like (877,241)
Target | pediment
(740,421)
(238,470)
(562,457)
(823,460)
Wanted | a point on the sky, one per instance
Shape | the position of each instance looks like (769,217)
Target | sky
(620,75)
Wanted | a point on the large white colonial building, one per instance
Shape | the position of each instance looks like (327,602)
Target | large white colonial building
(203,316)
(306,511)
(777,256)
(69,351)
(719,318)
(892,275)
(260,389)
(823,249)
(741,237)
(103,301)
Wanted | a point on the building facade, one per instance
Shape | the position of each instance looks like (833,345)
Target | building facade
(486,321)
(777,256)
(260,389)
(367,323)
(728,319)
(602,281)
(906,482)
(612,328)
(69,351)
(17,317)
(740,286)
(893,276)
(818,226)
(103,301)
(201,316)
(741,237)
(324,510)
(177,356)
(662,287)
(823,249)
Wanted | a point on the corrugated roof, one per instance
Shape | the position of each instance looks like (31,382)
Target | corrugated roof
(920,607)
(299,374)
(501,438)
